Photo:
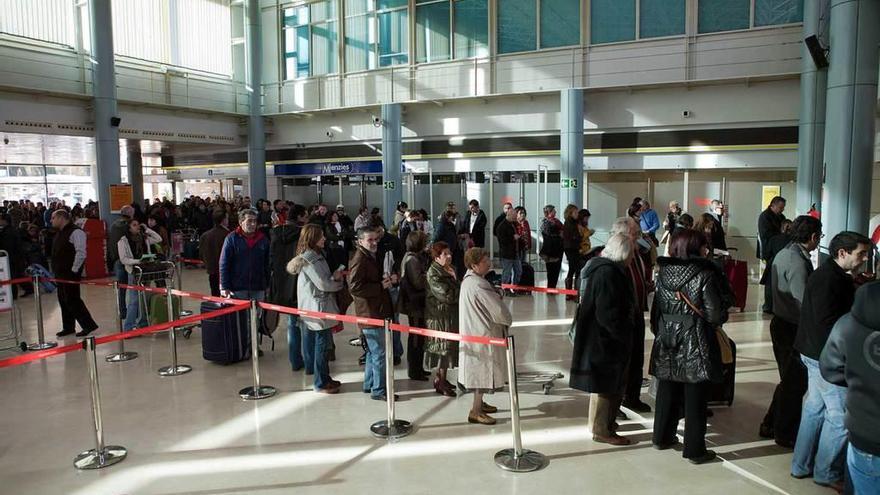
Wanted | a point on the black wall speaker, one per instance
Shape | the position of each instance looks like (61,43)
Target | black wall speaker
(816,51)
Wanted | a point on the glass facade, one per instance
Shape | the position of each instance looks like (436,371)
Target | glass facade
(772,12)
(45,183)
(560,23)
(661,18)
(310,40)
(432,31)
(376,34)
(723,15)
(471,26)
(517,26)
(612,20)
(448,29)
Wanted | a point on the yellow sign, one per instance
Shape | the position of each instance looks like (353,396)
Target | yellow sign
(120,195)
(767,194)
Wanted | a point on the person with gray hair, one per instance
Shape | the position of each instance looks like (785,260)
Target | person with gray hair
(606,322)
(244,260)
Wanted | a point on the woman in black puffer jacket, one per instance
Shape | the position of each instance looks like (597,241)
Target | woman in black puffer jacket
(689,305)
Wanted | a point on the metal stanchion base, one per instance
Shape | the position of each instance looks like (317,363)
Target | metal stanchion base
(529,460)
(92,459)
(251,393)
(398,429)
(118,357)
(36,346)
(172,371)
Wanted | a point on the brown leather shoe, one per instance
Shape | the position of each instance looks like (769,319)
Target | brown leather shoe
(614,439)
(443,390)
(327,390)
(489,409)
(482,418)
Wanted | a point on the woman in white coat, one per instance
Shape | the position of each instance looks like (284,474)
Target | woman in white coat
(316,289)
(132,247)
(482,368)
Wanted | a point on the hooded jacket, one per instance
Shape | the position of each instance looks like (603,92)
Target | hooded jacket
(315,287)
(685,347)
(851,359)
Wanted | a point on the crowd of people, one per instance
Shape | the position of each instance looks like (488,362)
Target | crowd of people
(440,277)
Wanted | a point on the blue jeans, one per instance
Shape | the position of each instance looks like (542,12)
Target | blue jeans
(374,367)
(821,439)
(315,343)
(294,343)
(121,276)
(864,470)
(135,316)
(511,271)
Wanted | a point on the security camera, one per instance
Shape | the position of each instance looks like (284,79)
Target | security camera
(686,114)
(377,121)
(5,140)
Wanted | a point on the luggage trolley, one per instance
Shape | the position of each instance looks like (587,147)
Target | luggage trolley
(10,339)
(546,379)
(154,271)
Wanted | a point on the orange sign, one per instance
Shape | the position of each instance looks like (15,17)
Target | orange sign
(120,195)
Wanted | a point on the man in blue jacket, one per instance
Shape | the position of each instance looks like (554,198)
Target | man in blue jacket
(244,260)
(649,221)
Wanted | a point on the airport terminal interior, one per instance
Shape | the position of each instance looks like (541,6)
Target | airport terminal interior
(374,120)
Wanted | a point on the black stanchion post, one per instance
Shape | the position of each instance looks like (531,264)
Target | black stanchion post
(102,455)
(121,355)
(41,343)
(517,459)
(257,391)
(175,369)
(391,427)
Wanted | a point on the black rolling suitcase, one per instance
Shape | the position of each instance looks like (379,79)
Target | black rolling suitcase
(722,392)
(225,339)
(527,278)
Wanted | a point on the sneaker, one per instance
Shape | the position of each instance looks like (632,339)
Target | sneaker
(707,457)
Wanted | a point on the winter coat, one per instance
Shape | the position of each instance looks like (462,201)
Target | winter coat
(685,344)
(244,265)
(507,243)
(315,287)
(830,294)
(551,239)
(571,238)
(371,300)
(851,359)
(210,246)
(606,323)
(413,285)
(441,310)
(282,249)
(482,313)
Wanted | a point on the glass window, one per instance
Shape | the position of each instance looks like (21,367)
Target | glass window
(376,34)
(612,20)
(560,23)
(722,15)
(48,20)
(310,40)
(471,28)
(432,31)
(661,18)
(517,26)
(771,12)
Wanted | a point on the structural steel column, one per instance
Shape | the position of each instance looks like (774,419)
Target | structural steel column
(851,108)
(135,171)
(811,127)
(391,160)
(256,128)
(571,147)
(108,169)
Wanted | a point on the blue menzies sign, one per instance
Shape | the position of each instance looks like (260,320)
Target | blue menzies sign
(342,168)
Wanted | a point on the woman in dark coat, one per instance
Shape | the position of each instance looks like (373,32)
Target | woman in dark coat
(282,285)
(441,313)
(571,244)
(606,322)
(551,245)
(689,306)
(413,286)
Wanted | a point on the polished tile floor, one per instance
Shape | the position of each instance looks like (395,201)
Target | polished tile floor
(192,434)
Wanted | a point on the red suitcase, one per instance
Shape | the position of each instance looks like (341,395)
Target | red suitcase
(738,274)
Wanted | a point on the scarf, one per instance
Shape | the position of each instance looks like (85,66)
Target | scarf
(251,239)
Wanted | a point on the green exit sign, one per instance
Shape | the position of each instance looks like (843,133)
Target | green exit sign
(569,183)
(388,185)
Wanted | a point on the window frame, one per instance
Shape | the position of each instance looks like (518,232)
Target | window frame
(538,48)
(283,38)
(752,26)
(452,44)
(638,24)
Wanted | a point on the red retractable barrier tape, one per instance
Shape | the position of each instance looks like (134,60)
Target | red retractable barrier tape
(98,283)
(26,358)
(21,280)
(546,290)
(471,339)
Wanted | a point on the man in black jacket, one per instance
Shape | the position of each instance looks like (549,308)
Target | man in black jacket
(475,223)
(769,224)
(507,247)
(830,293)
(502,217)
(282,284)
(851,359)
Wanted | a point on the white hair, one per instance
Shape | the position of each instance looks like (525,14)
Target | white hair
(619,248)
(623,225)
